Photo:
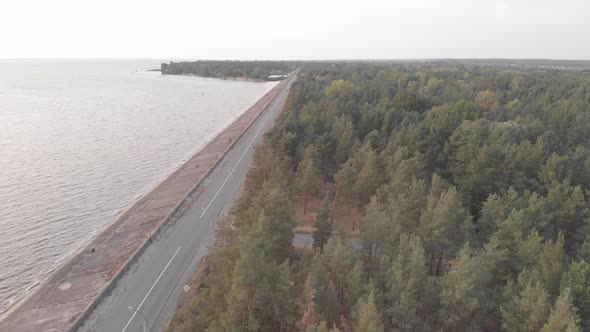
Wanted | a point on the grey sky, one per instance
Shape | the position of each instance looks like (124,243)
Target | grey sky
(300,29)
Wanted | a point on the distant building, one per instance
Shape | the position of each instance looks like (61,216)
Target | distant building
(276,77)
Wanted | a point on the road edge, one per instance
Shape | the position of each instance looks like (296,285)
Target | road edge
(176,212)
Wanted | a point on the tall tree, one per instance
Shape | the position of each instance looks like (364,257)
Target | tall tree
(527,307)
(577,280)
(370,176)
(552,264)
(488,101)
(340,260)
(250,306)
(274,220)
(444,226)
(495,209)
(407,288)
(308,176)
(309,318)
(545,258)
(467,287)
(374,224)
(319,284)
(369,318)
(323,227)
(563,315)
(283,297)
(405,209)
(566,206)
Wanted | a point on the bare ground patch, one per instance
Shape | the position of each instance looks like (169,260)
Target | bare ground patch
(346,214)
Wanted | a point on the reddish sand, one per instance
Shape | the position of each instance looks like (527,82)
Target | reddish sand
(346,214)
(57,304)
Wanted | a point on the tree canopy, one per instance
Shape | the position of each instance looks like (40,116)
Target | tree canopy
(473,186)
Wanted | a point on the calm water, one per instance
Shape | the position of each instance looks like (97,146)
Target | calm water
(80,140)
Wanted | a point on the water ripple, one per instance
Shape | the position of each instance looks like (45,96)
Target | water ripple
(81,140)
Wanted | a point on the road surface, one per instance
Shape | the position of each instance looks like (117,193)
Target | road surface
(154,282)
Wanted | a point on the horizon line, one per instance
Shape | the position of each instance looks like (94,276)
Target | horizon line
(291,60)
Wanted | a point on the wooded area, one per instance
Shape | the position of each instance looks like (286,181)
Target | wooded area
(253,70)
(473,183)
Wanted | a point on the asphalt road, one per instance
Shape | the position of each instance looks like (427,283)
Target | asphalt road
(153,284)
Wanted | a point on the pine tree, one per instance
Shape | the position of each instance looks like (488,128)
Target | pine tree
(355,286)
(373,225)
(339,259)
(566,206)
(369,319)
(309,318)
(552,264)
(577,280)
(259,170)
(319,285)
(308,176)
(275,220)
(563,315)
(527,308)
(248,307)
(407,286)
(343,133)
(370,176)
(488,101)
(283,297)
(401,166)
(345,177)
(466,288)
(405,209)
(495,209)
(323,227)
(444,225)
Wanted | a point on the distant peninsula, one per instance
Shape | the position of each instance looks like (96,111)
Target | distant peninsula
(232,70)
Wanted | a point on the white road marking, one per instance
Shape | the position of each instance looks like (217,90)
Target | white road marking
(233,169)
(148,293)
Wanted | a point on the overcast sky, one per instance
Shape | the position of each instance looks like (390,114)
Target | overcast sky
(299,29)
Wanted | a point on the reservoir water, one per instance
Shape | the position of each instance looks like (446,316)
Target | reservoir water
(82,139)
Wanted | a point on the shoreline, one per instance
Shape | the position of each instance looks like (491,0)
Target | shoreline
(64,295)
(118,214)
(226,78)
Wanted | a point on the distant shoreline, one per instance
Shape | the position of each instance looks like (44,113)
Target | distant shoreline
(225,78)
(232,70)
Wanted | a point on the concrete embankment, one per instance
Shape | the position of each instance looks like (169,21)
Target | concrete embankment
(73,290)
